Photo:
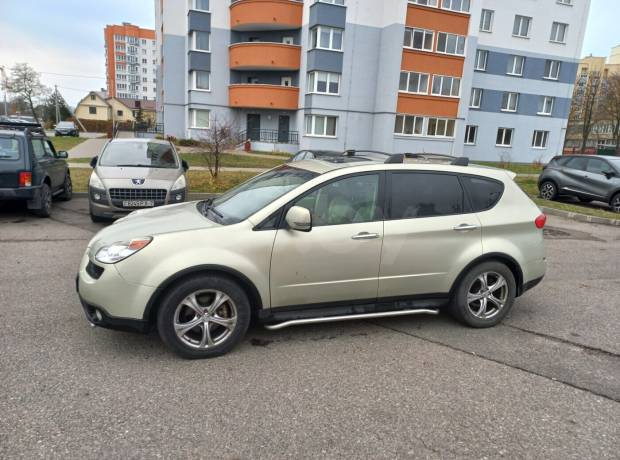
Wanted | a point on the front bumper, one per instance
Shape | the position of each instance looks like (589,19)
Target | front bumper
(108,300)
(107,208)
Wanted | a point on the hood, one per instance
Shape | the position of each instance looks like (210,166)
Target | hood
(152,222)
(117,176)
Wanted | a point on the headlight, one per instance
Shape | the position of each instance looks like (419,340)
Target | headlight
(180,183)
(120,251)
(95,182)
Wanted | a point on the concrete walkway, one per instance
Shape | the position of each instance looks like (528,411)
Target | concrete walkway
(88,149)
(192,168)
(232,152)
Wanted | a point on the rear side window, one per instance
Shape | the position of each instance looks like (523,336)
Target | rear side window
(577,163)
(483,193)
(9,148)
(415,195)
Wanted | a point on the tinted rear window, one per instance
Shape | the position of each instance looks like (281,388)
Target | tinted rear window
(416,195)
(9,148)
(483,193)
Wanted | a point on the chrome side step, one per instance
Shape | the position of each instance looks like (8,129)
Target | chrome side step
(329,319)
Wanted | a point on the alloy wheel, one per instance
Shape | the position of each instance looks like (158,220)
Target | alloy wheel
(547,191)
(615,204)
(205,319)
(487,295)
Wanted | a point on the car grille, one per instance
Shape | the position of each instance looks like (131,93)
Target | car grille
(155,194)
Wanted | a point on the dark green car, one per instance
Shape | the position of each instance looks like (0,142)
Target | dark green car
(30,168)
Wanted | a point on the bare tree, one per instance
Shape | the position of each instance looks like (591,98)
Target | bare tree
(25,83)
(610,105)
(588,107)
(219,137)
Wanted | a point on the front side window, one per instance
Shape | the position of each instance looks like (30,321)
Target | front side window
(504,137)
(482,56)
(346,201)
(456,5)
(419,39)
(417,195)
(486,20)
(139,154)
(539,140)
(440,127)
(510,102)
(545,106)
(413,82)
(476,98)
(200,118)
(558,32)
(327,38)
(201,40)
(552,69)
(446,86)
(450,44)
(515,66)
(597,166)
(323,82)
(521,26)
(321,125)
(409,125)
(471,133)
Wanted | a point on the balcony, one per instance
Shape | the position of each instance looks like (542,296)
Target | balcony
(257,96)
(266,14)
(264,56)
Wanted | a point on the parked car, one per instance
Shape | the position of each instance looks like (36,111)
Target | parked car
(587,177)
(31,169)
(314,155)
(66,128)
(317,241)
(132,174)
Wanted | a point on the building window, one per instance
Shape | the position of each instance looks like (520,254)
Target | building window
(552,70)
(419,39)
(558,32)
(521,26)
(446,86)
(440,127)
(456,5)
(321,125)
(413,82)
(565,2)
(515,66)
(333,2)
(409,125)
(451,44)
(92,98)
(201,40)
(471,133)
(327,38)
(200,118)
(539,140)
(119,113)
(202,80)
(545,106)
(424,2)
(324,83)
(476,98)
(510,102)
(201,5)
(486,20)
(482,57)
(504,137)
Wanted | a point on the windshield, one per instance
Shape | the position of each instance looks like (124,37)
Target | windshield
(139,154)
(615,162)
(241,202)
(65,124)
(9,148)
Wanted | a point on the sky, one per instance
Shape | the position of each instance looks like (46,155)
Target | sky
(66,36)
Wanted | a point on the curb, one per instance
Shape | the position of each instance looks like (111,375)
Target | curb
(581,217)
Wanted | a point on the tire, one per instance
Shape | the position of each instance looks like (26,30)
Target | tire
(67,189)
(203,291)
(615,203)
(45,210)
(470,312)
(548,190)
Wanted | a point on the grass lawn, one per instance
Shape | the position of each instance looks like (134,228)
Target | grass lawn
(530,186)
(200,181)
(519,168)
(66,142)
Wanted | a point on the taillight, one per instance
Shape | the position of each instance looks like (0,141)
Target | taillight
(540,221)
(25,179)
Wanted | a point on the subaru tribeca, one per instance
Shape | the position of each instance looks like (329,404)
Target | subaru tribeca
(316,241)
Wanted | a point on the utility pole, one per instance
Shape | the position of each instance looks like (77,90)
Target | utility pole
(56,104)
(3,73)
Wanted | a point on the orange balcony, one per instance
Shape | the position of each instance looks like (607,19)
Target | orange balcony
(264,56)
(265,14)
(256,96)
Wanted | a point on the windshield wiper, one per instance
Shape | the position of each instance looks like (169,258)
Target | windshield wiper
(208,206)
(135,166)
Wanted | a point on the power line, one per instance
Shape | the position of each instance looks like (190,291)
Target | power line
(71,75)
(75,89)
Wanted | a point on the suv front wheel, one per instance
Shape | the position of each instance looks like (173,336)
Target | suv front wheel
(548,190)
(485,295)
(204,316)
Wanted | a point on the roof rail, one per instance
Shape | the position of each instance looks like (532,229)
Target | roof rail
(353,152)
(400,158)
(26,127)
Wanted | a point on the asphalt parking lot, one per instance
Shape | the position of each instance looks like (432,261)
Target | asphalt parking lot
(544,384)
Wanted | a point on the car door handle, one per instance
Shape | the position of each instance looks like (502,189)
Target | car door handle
(365,236)
(465,227)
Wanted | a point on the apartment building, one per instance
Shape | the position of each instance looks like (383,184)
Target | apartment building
(489,79)
(131,61)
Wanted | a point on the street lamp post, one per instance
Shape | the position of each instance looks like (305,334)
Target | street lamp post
(3,73)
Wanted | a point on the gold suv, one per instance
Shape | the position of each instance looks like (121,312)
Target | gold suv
(347,237)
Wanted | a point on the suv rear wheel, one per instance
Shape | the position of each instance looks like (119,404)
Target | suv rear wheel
(45,208)
(615,203)
(204,316)
(548,190)
(67,189)
(485,295)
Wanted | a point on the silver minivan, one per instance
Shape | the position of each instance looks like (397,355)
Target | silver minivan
(132,174)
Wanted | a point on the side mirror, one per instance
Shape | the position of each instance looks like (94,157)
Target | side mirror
(299,219)
(185,165)
(609,174)
(93,162)
(62,154)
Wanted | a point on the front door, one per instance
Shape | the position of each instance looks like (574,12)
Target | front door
(253,126)
(574,171)
(596,182)
(338,260)
(283,129)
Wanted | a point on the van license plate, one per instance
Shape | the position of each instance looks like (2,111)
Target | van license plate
(138,204)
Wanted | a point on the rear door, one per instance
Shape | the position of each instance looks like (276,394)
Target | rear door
(12,160)
(430,234)
(44,161)
(58,165)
